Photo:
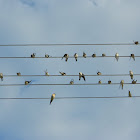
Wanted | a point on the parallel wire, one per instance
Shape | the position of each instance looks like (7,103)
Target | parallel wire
(69,98)
(68,44)
(61,57)
(71,75)
(90,84)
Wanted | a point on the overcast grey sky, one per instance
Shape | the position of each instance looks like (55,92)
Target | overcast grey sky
(69,21)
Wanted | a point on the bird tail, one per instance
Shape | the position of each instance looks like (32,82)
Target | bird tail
(50,102)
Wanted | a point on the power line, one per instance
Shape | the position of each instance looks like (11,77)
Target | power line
(69,98)
(70,44)
(90,84)
(70,75)
(55,57)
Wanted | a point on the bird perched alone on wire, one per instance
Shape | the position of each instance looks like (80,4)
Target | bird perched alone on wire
(18,74)
(66,56)
(117,56)
(47,56)
(103,54)
(84,55)
(94,55)
(33,55)
(99,73)
(131,74)
(81,75)
(47,73)
(136,42)
(72,82)
(1,76)
(52,97)
(109,82)
(129,94)
(27,82)
(122,83)
(62,73)
(132,56)
(99,82)
(134,81)
(76,56)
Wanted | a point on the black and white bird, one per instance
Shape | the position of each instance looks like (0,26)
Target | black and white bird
(134,81)
(99,82)
(46,73)
(27,82)
(1,76)
(33,55)
(18,74)
(72,82)
(99,73)
(76,56)
(94,55)
(136,42)
(109,82)
(132,56)
(103,55)
(129,94)
(66,56)
(131,74)
(47,56)
(84,55)
(52,97)
(117,56)
(81,75)
(62,73)
(122,83)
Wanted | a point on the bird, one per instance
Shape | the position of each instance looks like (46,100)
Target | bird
(18,74)
(109,82)
(52,97)
(129,94)
(27,82)
(122,83)
(134,81)
(76,56)
(66,56)
(94,55)
(1,76)
(81,75)
(47,56)
(46,73)
(136,42)
(72,82)
(99,73)
(62,73)
(117,56)
(131,74)
(84,55)
(33,55)
(132,56)
(99,82)
(103,54)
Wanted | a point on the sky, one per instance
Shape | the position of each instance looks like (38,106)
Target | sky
(69,21)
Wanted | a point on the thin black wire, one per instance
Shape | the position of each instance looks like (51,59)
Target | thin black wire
(68,98)
(72,75)
(67,44)
(60,57)
(65,84)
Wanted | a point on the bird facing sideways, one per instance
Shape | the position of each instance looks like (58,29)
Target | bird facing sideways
(52,97)
(81,75)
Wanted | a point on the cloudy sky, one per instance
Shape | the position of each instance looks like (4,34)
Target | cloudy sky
(69,21)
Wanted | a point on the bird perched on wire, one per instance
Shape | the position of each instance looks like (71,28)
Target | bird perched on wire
(76,56)
(84,55)
(52,97)
(66,56)
(109,82)
(27,82)
(134,81)
(131,74)
(72,82)
(117,56)
(99,73)
(99,82)
(122,83)
(132,56)
(94,55)
(1,76)
(129,94)
(81,75)
(62,73)
(18,74)
(46,73)
(136,42)
(33,55)
(103,55)
(47,56)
